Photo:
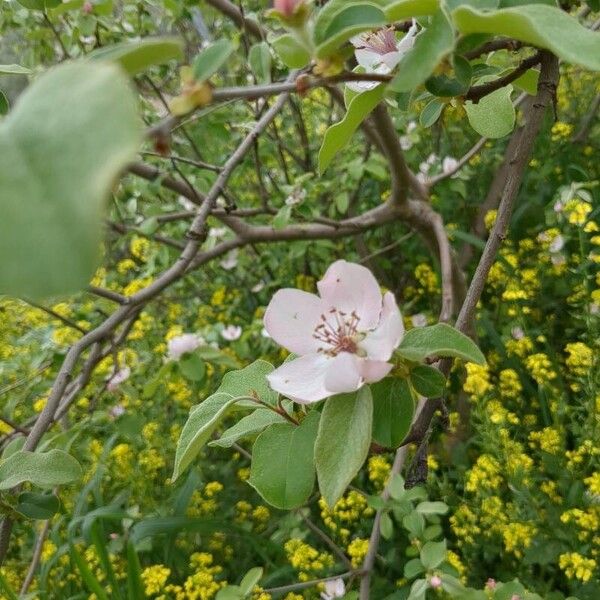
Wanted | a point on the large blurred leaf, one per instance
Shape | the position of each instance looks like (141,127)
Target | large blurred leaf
(250,381)
(39,4)
(61,149)
(136,57)
(43,469)
(494,115)
(283,470)
(544,26)
(339,134)
(343,442)
(431,46)
(14,70)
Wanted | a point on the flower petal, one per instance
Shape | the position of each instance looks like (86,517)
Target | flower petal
(291,318)
(367,59)
(302,379)
(351,287)
(343,374)
(384,339)
(374,370)
(408,41)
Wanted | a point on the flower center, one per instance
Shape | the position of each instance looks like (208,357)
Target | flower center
(381,42)
(338,331)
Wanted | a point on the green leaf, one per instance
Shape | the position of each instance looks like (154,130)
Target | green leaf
(433,554)
(291,52)
(230,592)
(431,113)
(404,9)
(331,10)
(427,381)
(432,508)
(203,420)
(61,149)
(4,106)
(43,469)
(414,523)
(259,58)
(343,441)
(282,469)
(37,506)
(250,579)
(528,82)
(386,526)
(192,367)
(88,577)
(393,410)
(451,585)
(211,59)
(494,115)
(418,589)
(134,574)
(439,340)
(349,22)
(251,424)
(537,24)
(431,46)
(136,57)
(39,4)
(14,70)
(413,568)
(250,381)
(339,134)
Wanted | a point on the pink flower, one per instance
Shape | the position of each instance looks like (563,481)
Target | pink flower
(435,582)
(380,52)
(490,584)
(231,333)
(334,588)
(344,337)
(118,378)
(181,344)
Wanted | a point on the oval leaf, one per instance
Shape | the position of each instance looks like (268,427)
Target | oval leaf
(338,135)
(253,423)
(211,59)
(14,70)
(494,115)
(343,441)
(544,26)
(393,410)
(427,381)
(61,149)
(43,469)
(37,506)
(439,340)
(136,57)
(431,46)
(291,52)
(201,423)
(282,470)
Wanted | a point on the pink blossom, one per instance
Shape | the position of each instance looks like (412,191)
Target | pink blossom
(286,7)
(344,338)
(231,333)
(118,378)
(449,165)
(380,52)
(181,344)
(435,582)
(334,588)
(490,584)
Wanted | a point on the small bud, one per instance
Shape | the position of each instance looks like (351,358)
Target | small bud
(302,84)
(87,7)
(435,582)
(286,7)
(490,584)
